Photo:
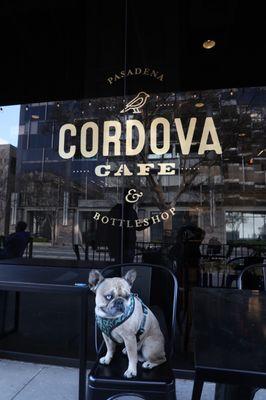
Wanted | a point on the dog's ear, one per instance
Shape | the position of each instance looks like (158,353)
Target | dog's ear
(95,277)
(130,276)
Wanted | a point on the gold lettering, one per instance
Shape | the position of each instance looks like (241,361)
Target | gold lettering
(62,136)
(105,219)
(164,215)
(105,168)
(154,73)
(130,124)
(95,139)
(154,135)
(97,216)
(209,128)
(138,71)
(144,169)
(128,224)
(166,168)
(146,71)
(185,142)
(155,219)
(138,223)
(108,138)
(123,170)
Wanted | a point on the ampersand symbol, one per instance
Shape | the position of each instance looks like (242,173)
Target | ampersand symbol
(133,195)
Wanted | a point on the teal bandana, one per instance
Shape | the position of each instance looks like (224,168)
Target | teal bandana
(107,325)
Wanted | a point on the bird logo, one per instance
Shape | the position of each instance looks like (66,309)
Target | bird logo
(136,103)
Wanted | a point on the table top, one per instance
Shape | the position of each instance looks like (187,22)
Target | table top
(230,330)
(12,276)
(53,262)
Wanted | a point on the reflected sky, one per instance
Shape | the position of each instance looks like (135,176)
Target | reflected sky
(9,124)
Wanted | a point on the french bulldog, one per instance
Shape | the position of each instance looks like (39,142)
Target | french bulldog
(124,319)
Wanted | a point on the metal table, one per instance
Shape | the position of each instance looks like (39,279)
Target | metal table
(22,278)
(230,337)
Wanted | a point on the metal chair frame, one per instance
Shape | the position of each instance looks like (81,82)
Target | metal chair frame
(174,306)
(250,267)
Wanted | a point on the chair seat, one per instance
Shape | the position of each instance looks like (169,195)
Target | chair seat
(159,379)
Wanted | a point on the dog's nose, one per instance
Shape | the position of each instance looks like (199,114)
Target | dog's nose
(119,304)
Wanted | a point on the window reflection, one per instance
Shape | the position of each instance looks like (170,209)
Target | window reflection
(245,225)
(59,197)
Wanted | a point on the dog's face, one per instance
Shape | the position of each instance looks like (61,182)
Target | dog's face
(112,294)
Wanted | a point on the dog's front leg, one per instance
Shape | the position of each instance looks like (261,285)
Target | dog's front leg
(110,345)
(132,353)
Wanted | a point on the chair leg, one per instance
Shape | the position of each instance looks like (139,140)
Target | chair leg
(187,329)
(17,311)
(197,388)
(3,295)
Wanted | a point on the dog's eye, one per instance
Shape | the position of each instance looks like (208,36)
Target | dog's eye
(127,296)
(109,297)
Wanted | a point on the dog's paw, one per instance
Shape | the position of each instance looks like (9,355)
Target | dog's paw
(148,365)
(124,351)
(130,373)
(105,360)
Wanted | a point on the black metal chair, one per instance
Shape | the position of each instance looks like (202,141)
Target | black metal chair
(157,287)
(253,277)
(240,263)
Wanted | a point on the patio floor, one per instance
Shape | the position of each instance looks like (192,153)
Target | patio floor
(26,381)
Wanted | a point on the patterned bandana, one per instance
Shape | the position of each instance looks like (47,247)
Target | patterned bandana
(107,325)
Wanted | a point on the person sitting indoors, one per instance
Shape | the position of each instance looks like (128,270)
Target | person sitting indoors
(16,243)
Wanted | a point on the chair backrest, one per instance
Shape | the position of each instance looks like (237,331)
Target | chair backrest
(158,288)
(245,261)
(253,277)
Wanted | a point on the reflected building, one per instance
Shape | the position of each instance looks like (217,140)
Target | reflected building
(7,184)
(58,197)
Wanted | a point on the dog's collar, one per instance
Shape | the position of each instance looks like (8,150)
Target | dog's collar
(107,325)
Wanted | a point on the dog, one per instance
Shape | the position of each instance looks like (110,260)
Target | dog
(124,319)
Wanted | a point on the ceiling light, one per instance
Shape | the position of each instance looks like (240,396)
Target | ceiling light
(27,108)
(57,104)
(208,44)
(35,116)
(231,93)
(199,104)
(242,134)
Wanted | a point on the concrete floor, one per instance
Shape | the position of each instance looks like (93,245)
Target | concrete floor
(26,381)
